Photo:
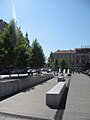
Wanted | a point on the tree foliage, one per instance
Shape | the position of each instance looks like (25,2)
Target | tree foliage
(15,51)
(62,63)
(51,60)
(13,47)
(71,64)
(56,64)
(37,55)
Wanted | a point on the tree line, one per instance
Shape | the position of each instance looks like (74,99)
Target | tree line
(16,52)
(62,63)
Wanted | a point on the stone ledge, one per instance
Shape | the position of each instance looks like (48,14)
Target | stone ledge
(12,86)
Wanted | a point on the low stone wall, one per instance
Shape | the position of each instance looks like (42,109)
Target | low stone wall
(8,87)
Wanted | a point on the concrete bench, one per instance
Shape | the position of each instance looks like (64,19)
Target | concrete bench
(61,78)
(53,96)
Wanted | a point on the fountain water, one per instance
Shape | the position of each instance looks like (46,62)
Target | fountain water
(68,71)
(59,70)
(64,72)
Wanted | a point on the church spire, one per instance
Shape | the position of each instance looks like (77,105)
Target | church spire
(27,40)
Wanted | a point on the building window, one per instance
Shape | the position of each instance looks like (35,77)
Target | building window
(82,61)
(83,56)
(77,61)
(88,61)
(77,56)
(73,56)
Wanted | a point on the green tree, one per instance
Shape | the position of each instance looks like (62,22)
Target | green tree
(56,64)
(21,53)
(37,55)
(51,60)
(62,63)
(13,46)
(7,42)
(29,51)
(71,64)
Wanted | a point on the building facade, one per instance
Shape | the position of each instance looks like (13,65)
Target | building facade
(3,24)
(79,56)
(82,58)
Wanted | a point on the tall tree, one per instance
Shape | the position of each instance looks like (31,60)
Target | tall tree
(13,46)
(21,51)
(29,51)
(7,42)
(62,63)
(37,55)
(56,65)
(71,64)
(51,60)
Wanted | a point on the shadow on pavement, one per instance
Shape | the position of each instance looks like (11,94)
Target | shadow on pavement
(61,107)
(23,90)
(33,87)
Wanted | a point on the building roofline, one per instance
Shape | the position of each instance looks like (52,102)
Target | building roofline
(65,51)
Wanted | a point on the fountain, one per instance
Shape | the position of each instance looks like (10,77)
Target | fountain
(68,71)
(64,72)
(59,70)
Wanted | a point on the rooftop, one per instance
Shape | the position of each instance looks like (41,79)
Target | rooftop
(76,50)
(3,24)
(65,51)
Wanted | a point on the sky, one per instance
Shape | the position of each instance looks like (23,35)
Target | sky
(57,24)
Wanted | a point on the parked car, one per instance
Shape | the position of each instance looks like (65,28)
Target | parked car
(17,71)
(34,70)
(4,72)
(30,71)
(88,73)
(39,71)
(49,70)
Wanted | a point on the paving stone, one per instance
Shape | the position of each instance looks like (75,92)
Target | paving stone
(32,102)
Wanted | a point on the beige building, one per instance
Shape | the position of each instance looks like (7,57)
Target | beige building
(79,56)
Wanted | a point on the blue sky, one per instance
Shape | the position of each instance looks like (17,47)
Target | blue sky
(57,24)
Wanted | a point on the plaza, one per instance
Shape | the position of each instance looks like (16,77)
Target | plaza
(31,103)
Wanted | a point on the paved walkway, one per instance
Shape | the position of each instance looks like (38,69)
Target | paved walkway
(31,105)
(78,101)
